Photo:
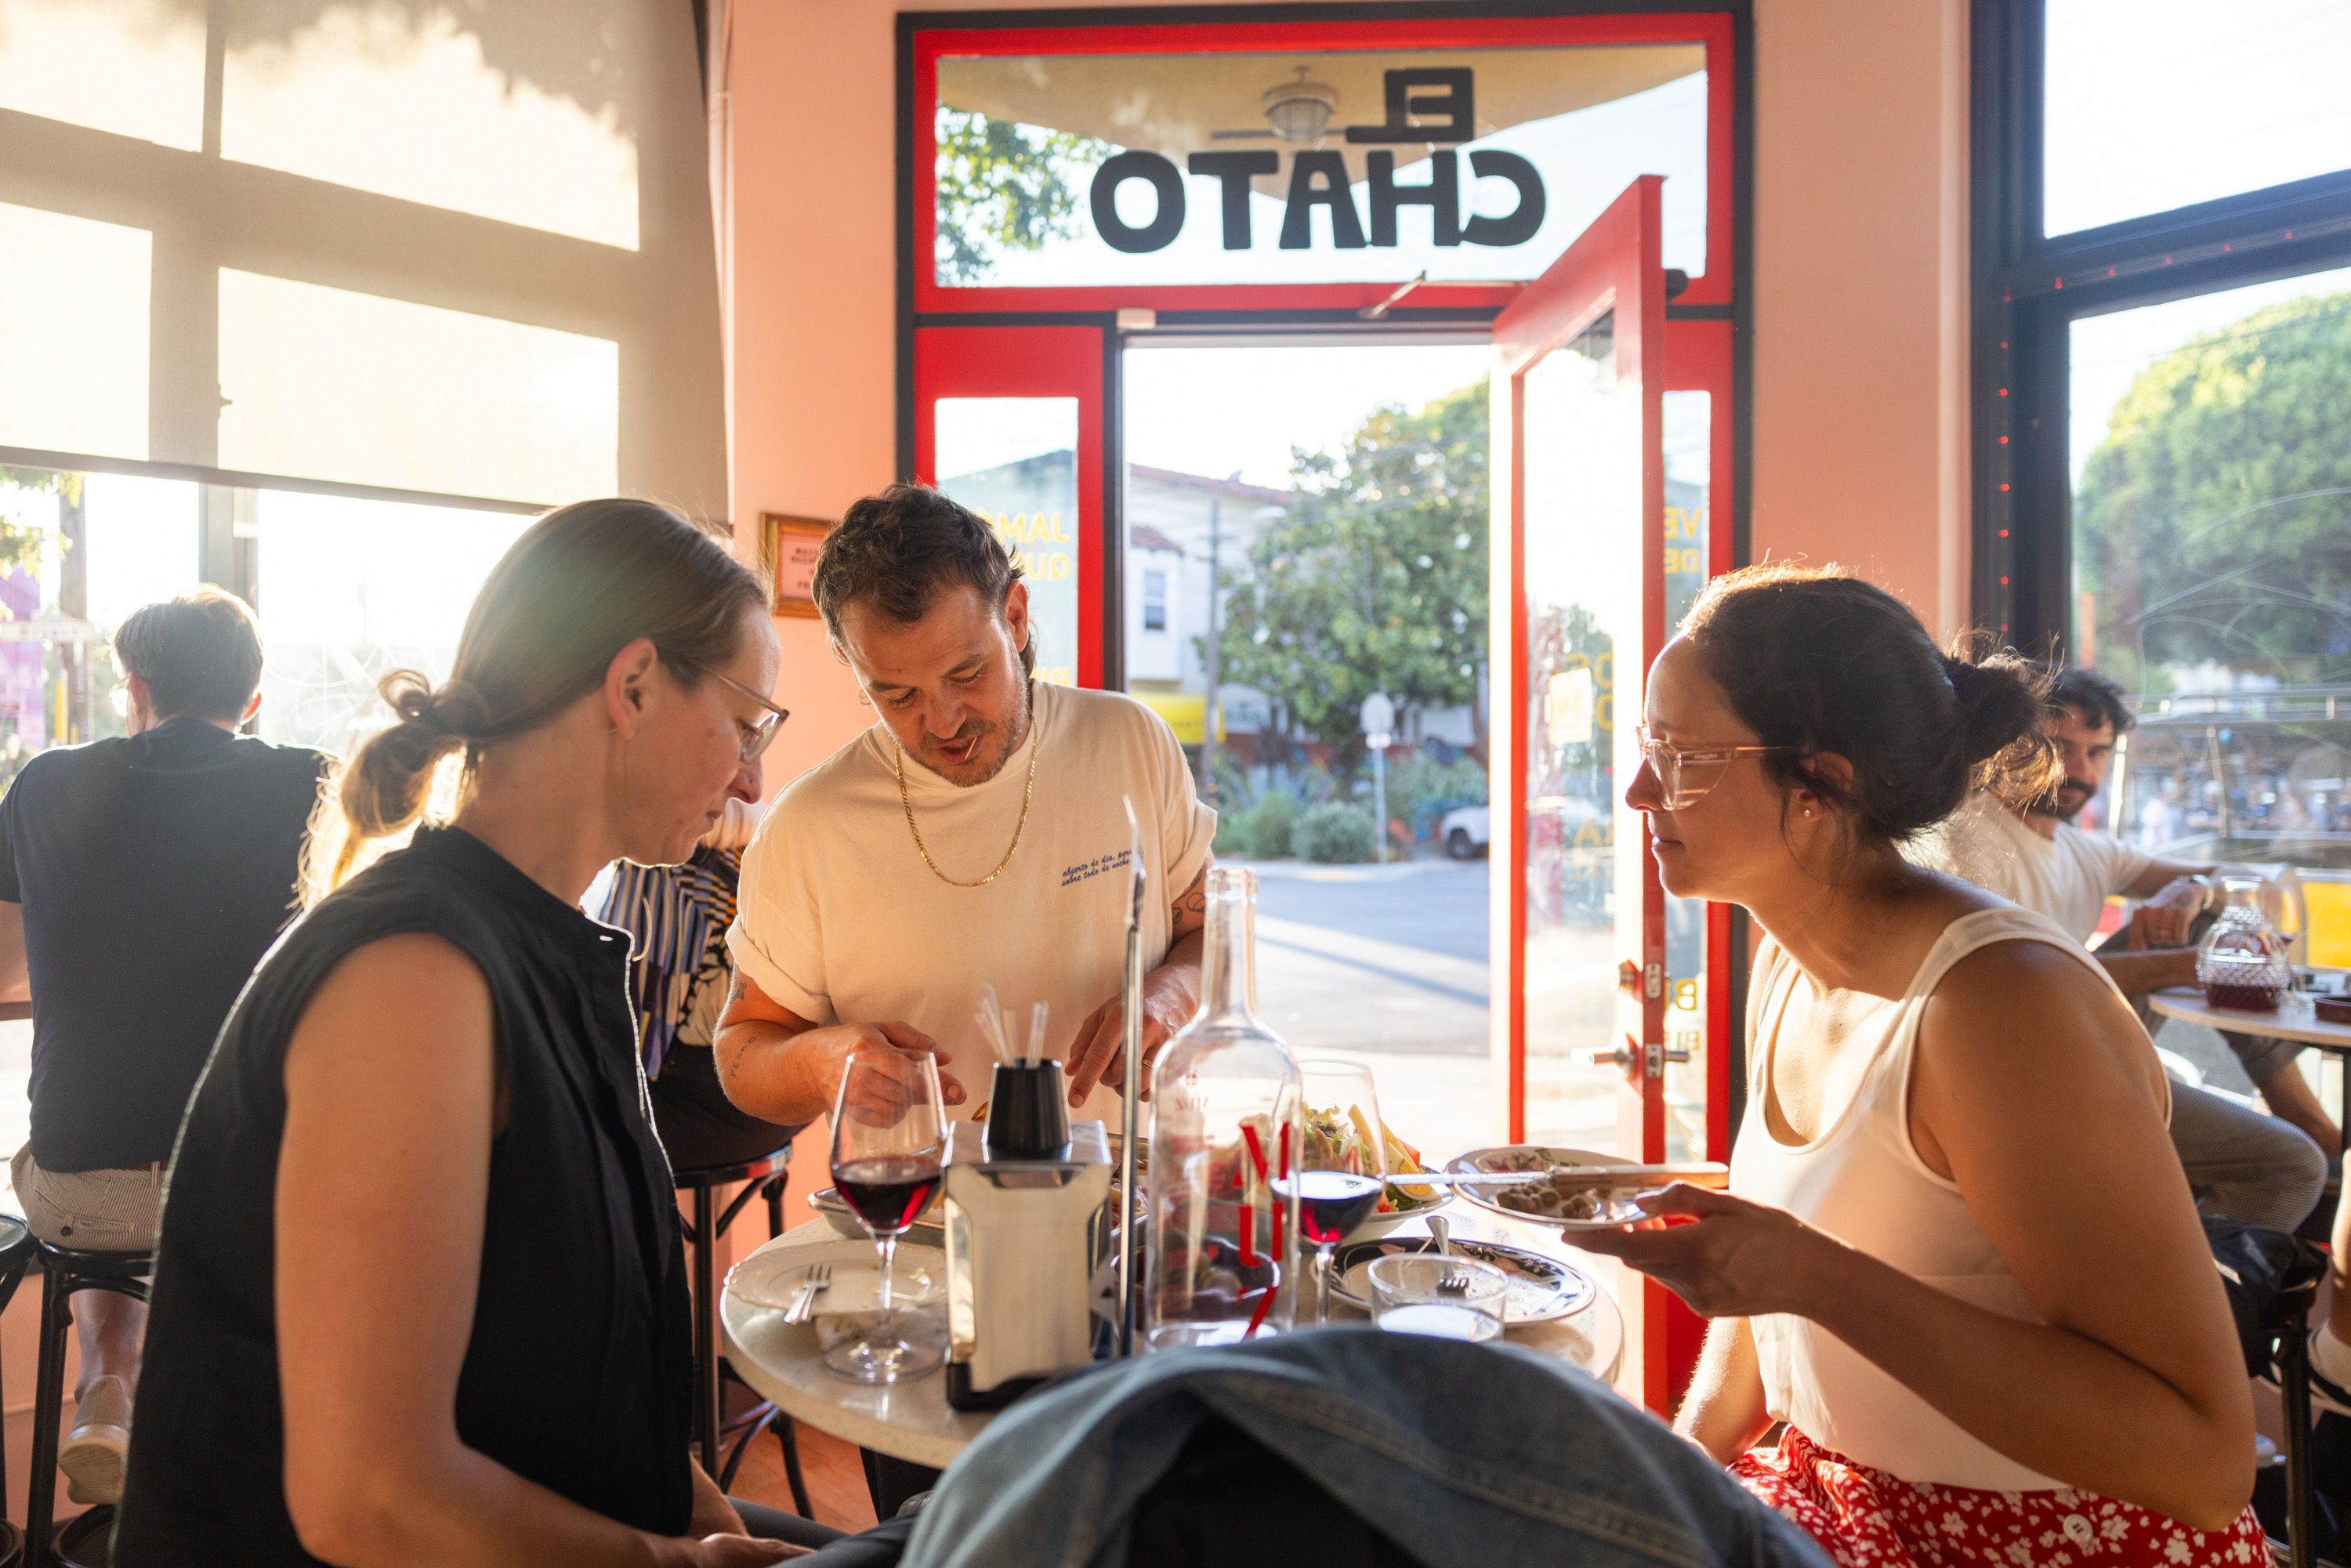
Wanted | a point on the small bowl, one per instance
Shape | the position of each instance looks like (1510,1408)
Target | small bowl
(1448,1297)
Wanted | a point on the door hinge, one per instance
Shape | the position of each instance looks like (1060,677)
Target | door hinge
(1653,981)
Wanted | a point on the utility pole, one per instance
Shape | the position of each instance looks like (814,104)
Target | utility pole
(1212,713)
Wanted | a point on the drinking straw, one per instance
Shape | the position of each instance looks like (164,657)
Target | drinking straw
(1011,1035)
(990,1030)
(1037,1016)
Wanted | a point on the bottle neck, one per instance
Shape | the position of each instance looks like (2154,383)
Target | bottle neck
(1228,964)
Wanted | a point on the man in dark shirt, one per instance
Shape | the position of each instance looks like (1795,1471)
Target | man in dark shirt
(141,881)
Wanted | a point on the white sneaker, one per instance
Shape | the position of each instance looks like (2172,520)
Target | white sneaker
(93,1452)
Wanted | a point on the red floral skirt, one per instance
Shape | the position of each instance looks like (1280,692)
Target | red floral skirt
(1867,1519)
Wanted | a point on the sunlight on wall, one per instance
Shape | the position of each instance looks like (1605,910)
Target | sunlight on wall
(326,382)
(136,66)
(340,101)
(77,367)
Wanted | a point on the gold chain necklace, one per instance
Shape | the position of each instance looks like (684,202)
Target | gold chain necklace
(898,765)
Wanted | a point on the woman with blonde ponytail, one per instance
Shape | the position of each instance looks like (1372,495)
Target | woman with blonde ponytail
(420,1296)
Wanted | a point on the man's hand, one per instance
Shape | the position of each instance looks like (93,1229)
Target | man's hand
(1096,1057)
(1171,995)
(2164,921)
(781,1068)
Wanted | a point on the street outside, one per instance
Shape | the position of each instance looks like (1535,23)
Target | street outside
(1385,965)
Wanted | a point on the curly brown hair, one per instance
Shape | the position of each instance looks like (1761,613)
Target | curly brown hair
(896,551)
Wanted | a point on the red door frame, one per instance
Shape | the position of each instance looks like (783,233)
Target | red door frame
(1037,361)
(1704,344)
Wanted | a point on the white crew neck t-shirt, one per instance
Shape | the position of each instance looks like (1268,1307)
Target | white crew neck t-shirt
(2067,877)
(840,921)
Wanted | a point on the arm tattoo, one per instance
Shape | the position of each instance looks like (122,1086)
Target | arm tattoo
(1194,898)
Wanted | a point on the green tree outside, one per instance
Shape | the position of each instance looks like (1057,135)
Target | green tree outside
(1376,580)
(2214,522)
(1005,186)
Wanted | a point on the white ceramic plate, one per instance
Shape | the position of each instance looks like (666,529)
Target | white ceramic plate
(1379,1225)
(1534,1158)
(773,1277)
(1541,1290)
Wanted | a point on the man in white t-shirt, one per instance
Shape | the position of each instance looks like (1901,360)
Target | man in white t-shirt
(975,835)
(2268,1169)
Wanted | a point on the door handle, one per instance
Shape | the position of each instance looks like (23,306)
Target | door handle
(1650,1062)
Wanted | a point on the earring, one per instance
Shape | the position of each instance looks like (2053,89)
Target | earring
(1808,810)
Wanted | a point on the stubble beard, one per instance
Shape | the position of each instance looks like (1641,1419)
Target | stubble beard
(1012,748)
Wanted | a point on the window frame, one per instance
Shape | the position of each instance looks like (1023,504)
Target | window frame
(2030,287)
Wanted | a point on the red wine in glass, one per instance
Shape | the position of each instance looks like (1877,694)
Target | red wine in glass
(1333,1203)
(889,1192)
(889,1141)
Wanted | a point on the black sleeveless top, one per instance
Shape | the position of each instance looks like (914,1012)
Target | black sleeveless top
(578,1373)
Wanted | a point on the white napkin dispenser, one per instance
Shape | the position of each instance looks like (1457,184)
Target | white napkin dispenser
(1020,1238)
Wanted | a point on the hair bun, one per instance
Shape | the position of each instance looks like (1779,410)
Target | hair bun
(1998,706)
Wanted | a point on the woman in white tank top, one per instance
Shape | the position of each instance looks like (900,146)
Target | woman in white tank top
(1958,1258)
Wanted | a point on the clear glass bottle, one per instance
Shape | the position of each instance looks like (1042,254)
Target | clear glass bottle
(1220,1262)
(2242,962)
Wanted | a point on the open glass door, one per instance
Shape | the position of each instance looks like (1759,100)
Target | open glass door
(1580,560)
(1010,422)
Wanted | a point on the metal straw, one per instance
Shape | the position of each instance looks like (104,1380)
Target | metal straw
(1132,1047)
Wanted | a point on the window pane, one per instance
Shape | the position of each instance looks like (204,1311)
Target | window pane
(526,111)
(2212,568)
(76,360)
(134,68)
(1014,460)
(2155,104)
(1584,611)
(326,384)
(1688,473)
(1552,135)
(354,590)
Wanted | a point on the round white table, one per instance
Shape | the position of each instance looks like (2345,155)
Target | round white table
(2293,1020)
(912,1421)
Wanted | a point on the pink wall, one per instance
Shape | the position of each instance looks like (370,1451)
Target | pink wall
(1860,236)
(1860,274)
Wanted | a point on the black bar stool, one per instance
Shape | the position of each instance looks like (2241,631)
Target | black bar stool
(64,1270)
(17,1246)
(764,1177)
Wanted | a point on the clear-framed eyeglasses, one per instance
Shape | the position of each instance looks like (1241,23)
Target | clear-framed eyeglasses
(1685,774)
(756,737)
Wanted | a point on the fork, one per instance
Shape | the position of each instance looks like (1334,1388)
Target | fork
(814,1283)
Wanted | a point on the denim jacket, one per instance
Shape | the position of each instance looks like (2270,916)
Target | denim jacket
(1459,1453)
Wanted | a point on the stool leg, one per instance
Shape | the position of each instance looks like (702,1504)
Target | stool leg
(2294,1383)
(775,1196)
(788,1433)
(705,1345)
(48,1396)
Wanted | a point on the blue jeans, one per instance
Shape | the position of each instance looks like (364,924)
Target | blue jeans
(1454,1453)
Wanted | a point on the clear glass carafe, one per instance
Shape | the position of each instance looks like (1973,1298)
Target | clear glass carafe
(1220,1263)
(2242,962)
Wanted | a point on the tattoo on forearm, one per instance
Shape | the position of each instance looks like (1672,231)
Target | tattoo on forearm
(1194,898)
(738,988)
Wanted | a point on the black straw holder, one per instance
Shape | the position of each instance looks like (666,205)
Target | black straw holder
(1029,1113)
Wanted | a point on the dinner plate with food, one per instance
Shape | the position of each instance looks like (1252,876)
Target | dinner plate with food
(1554,1194)
(1344,1139)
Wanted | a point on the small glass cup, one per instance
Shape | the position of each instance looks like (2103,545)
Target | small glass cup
(1450,1298)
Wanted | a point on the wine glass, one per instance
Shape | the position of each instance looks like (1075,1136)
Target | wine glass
(889,1141)
(1344,1165)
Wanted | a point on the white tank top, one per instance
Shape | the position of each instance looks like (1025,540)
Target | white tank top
(1861,1181)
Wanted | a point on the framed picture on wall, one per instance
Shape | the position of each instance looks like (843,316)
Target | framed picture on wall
(787,548)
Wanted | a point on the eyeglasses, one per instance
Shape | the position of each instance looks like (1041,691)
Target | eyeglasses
(1687,773)
(757,737)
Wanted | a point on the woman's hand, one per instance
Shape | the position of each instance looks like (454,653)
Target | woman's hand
(724,1552)
(713,1514)
(1734,1259)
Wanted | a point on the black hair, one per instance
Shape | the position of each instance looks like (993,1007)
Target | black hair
(2096,699)
(199,653)
(896,551)
(1816,660)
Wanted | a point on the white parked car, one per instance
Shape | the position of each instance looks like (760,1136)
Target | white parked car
(1466,831)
